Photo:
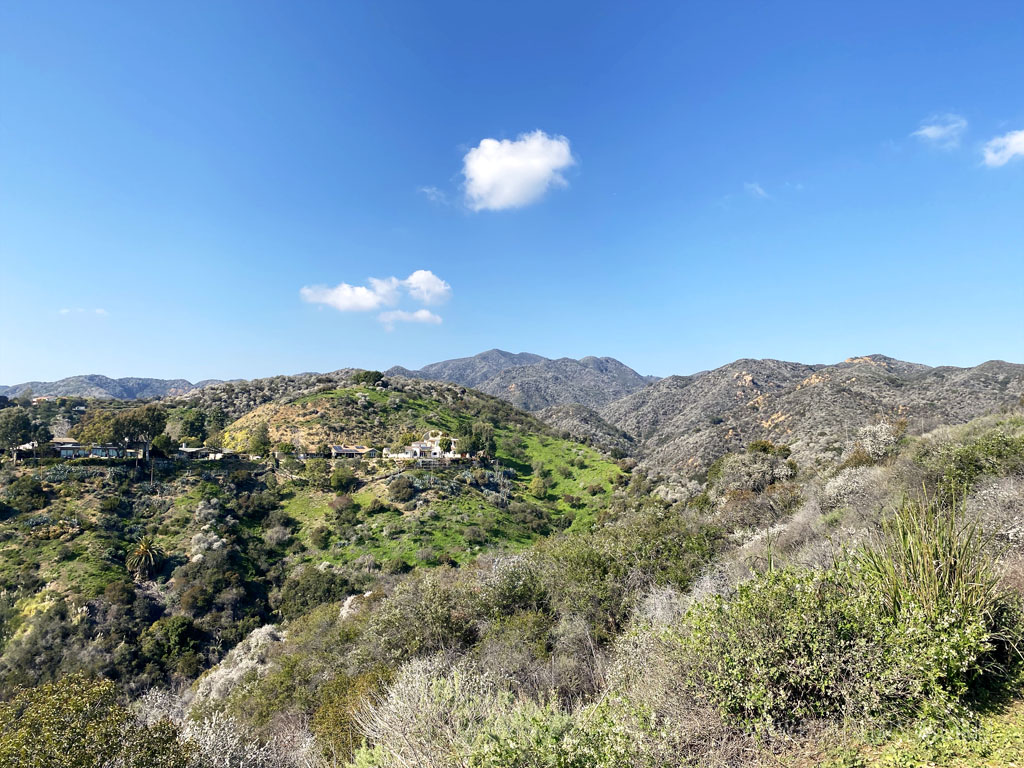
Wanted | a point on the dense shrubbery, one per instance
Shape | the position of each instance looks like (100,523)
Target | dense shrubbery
(910,626)
(78,723)
(956,459)
(788,648)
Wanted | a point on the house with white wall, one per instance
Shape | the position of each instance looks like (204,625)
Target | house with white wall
(429,448)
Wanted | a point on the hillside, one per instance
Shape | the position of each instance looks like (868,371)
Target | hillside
(586,425)
(470,371)
(682,423)
(533,383)
(237,539)
(316,612)
(104,387)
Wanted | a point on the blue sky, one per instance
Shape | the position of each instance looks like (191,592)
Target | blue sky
(186,187)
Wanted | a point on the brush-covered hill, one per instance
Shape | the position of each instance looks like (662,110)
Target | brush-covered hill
(534,481)
(96,386)
(470,371)
(586,425)
(683,423)
(236,398)
(533,383)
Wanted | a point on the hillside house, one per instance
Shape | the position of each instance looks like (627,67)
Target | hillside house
(353,452)
(73,450)
(136,449)
(25,449)
(192,454)
(107,451)
(429,449)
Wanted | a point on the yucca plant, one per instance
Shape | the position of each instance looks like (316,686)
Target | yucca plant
(144,557)
(931,557)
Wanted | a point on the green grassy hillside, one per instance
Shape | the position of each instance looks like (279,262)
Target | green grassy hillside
(234,537)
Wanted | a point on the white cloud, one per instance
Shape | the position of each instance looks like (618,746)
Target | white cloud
(353,298)
(401,316)
(1000,150)
(756,190)
(943,131)
(426,287)
(511,174)
(422,286)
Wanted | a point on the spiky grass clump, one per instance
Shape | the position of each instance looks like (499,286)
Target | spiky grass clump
(934,560)
(932,557)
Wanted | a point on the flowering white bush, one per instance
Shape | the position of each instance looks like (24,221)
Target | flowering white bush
(204,541)
(876,441)
(853,486)
(218,742)
(753,471)
(249,656)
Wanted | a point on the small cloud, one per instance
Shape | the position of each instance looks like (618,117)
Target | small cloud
(434,195)
(943,131)
(423,286)
(1002,149)
(426,287)
(510,174)
(353,298)
(755,189)
(65,311)
(100,312)
(401,316)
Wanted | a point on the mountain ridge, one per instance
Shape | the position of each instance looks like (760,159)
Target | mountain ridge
(99,386)
(533,382)
(683,423)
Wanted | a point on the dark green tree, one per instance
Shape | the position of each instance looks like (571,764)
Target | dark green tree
(342,479)
(193,424)
(15,427)
(259,440)
(141,424)
(368,378)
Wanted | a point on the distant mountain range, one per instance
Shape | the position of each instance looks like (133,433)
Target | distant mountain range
(680,424)
(101,386)
(683,423)
(533,383)
(677,425)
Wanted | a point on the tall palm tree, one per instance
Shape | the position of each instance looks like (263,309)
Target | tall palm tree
(144,557)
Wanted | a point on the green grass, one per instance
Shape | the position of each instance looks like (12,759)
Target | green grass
(997,742)
(451,525)
(558,457)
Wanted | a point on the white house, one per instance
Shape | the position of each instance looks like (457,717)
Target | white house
(428,448)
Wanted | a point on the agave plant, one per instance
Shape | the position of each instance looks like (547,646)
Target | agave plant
(144,558)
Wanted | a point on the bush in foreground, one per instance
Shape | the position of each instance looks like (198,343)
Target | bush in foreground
(913,626)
